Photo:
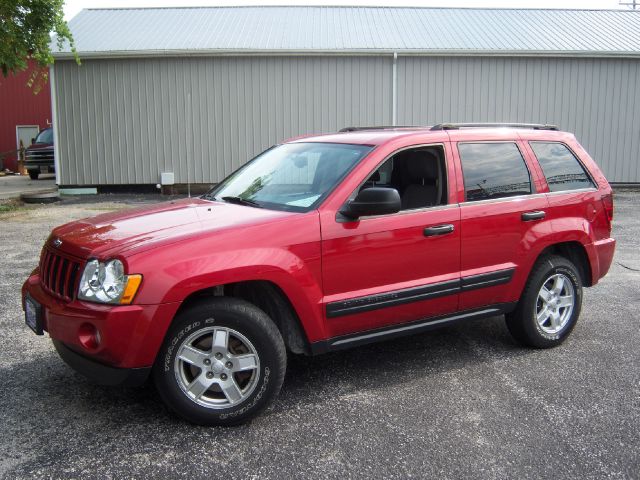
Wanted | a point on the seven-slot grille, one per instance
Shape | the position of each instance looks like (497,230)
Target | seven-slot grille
(59,275)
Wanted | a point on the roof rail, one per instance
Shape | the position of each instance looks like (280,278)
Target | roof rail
(380,127)
(456,126)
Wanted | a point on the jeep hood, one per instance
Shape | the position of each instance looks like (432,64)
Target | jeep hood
(139,229)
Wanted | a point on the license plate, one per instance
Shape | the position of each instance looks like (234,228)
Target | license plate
(44,169)
(33,315)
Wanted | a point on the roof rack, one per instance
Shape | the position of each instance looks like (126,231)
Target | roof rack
(456,126)
(380,127)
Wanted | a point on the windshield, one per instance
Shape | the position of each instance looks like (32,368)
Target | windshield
(45,136)
(293,176)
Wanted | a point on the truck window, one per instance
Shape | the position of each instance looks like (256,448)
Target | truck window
(493,170)
(419,175)
(561,168)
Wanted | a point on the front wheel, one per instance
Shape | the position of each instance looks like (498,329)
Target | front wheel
(34,174)
(550,304)
(222,362)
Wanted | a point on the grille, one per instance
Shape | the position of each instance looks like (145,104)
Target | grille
(39,154)
(59,275)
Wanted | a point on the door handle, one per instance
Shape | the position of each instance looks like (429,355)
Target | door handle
(438,230)
(529,216)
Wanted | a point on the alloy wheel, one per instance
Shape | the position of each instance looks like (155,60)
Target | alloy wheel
(217,367)
(555,303)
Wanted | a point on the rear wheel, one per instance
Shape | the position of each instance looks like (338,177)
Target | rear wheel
(33,174)
(222,362)
(550,304)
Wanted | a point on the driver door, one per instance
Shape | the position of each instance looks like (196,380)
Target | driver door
(391,269)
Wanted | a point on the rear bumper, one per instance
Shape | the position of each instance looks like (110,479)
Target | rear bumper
(99,373)
(601,256)
(130,335)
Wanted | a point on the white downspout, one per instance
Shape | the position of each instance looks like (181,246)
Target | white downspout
(394,90)
(54,124)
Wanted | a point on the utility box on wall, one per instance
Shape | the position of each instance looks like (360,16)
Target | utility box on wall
(167,178)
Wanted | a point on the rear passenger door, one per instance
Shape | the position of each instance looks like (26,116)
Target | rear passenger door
(500,212)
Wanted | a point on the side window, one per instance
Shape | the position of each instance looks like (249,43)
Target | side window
(561,167)
(419,175)
(493,170)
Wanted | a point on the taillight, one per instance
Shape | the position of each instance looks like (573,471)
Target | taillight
(607,201)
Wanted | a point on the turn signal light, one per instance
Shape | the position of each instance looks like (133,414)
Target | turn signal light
(130,290)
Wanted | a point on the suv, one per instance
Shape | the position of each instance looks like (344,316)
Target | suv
(323,243)
(39,156)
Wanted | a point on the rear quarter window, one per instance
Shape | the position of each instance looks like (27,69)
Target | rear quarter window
(493,170)
(560,166)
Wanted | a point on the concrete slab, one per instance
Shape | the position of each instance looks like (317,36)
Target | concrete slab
(12,186)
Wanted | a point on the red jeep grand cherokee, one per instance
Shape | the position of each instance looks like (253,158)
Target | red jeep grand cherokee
(323,243)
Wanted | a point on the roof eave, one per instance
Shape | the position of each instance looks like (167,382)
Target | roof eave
(346,52)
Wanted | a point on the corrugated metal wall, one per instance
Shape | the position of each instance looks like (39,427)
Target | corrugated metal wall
(597,99)
(126,121)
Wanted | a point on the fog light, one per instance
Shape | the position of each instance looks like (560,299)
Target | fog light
(89,336)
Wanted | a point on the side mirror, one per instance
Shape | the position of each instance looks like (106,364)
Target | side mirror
(373,201)
(33,140)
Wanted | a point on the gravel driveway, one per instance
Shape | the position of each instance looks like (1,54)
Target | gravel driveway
(464,401)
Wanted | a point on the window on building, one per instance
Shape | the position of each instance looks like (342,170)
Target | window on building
(561,168)
(493,170)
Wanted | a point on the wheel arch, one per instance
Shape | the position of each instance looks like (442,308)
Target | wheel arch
(267,296)
(576,253)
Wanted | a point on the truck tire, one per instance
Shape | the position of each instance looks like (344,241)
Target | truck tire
(33,174)
(550,304)
(223,361)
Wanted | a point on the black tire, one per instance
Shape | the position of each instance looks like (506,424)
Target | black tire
(231,315)
(522,321)
(33,174)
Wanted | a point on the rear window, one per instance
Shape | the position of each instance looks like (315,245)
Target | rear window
(561,168)
(493,170)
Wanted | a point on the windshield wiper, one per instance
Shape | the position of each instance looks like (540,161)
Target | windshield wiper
(241,201)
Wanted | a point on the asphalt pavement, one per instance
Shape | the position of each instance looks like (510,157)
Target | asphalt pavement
(461,402)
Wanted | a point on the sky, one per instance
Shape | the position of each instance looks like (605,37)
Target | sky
(72,7)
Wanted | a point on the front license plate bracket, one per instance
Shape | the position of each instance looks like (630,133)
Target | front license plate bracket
(33,315)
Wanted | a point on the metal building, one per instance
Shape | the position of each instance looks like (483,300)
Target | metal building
(22,115)
(199,91)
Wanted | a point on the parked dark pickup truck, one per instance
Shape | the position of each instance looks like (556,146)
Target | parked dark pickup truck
(39,155)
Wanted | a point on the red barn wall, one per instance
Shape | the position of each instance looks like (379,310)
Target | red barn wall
(19,106)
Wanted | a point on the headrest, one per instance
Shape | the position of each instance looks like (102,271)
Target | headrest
(422,165)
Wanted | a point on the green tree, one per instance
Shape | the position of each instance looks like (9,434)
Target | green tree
(25,34)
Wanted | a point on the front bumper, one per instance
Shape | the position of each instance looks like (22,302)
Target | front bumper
(37,164)
(130,335)
(99,373)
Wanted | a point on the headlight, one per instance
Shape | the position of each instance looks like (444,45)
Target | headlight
(107,283)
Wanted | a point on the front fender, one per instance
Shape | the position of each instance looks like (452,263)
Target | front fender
(174,273)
